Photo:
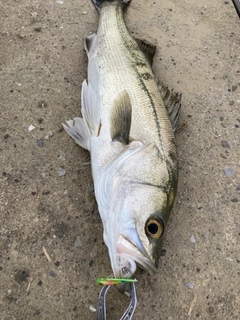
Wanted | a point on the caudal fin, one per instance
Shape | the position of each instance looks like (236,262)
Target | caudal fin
(98,3)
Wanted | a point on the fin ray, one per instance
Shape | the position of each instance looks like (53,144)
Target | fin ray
(172,102)
(147,48)
(79,131)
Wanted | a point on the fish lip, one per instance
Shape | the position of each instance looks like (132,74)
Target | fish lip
(132,252)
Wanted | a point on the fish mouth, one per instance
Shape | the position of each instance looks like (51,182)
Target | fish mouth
(131,256)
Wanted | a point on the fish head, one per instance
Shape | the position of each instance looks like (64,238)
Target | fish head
(138,204)
(134,230)
(139,234)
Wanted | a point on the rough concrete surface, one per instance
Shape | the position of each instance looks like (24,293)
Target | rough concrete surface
(42,64)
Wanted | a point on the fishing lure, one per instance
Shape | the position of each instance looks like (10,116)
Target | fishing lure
(113,281)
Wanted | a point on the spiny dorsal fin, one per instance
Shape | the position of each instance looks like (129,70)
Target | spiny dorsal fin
(147,48)
(121,118)
(172,102)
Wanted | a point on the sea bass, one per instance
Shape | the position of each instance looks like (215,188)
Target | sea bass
(128,123)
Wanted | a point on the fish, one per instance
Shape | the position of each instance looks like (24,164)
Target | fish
(128,125)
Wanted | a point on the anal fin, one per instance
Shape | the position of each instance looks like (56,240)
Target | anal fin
(121,118)
(172,102)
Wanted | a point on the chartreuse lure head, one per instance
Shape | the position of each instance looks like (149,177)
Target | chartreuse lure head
(113,281)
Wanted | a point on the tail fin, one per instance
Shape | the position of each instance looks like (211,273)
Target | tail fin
(98,3)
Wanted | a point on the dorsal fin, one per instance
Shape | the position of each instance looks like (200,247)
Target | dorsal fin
(147,48)
(121,118)
(172,102)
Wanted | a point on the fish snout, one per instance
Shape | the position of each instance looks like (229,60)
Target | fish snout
(132,254)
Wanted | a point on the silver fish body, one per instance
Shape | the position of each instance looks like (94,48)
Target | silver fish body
(127,129)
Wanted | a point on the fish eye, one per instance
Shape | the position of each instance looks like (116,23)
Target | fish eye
(154,228)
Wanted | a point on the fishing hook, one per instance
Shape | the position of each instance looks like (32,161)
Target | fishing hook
(101,308)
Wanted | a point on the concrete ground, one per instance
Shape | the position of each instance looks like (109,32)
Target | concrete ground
(51,245)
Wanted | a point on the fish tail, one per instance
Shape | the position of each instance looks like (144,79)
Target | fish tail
(98,3)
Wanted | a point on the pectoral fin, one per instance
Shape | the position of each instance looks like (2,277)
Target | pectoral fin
(121,118)
(172,102)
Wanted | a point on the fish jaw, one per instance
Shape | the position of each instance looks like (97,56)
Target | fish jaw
(130,251)
(127,253)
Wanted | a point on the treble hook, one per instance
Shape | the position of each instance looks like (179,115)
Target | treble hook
(133,303)
(101,308)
